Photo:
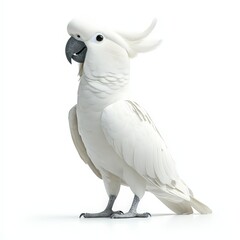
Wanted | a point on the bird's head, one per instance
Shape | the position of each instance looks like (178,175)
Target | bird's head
(101,50)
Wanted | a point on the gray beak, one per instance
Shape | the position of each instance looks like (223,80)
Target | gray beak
(75,50)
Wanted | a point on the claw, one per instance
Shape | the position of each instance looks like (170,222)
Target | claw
(148,214)
(82,215)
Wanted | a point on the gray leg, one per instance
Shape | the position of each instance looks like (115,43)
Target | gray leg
(132,213)
(106,213)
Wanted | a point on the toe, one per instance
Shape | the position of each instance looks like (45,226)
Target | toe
(82,215)
(117,215)
(143,215)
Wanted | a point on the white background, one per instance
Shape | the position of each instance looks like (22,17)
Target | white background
(189,85)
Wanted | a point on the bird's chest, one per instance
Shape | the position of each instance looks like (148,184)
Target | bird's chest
(91,103)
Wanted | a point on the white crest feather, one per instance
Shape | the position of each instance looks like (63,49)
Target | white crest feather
(138,42)
(138,36)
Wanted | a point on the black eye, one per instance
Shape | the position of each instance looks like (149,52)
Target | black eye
(78,36)
(99,37)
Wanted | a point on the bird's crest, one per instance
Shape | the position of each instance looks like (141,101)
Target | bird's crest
(138,42)
(132,42)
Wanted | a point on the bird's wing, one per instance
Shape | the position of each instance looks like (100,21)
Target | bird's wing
(133,135)
(73,123)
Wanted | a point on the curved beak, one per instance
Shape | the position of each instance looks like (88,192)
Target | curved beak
(75,50)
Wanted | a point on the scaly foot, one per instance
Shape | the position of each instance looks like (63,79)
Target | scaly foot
(108,212)
(104,214)
(131,215)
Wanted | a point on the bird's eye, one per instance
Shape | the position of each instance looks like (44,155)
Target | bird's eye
(99,37)
(78,36)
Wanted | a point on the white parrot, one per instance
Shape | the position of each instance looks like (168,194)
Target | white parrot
(114,135)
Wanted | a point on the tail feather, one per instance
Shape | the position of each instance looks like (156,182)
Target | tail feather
(200,207)
(179,208)
(173,202)
(178,204)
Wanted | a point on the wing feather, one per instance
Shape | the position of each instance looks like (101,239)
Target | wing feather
(133,135)
(77,140)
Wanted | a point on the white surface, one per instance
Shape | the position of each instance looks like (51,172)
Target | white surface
(194,86)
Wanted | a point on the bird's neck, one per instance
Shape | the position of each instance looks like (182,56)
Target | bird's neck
(97,92)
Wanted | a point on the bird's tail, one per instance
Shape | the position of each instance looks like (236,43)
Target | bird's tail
(199,206)
(179,207)
(180,204)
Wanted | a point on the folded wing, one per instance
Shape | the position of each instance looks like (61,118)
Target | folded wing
(77,140)
(133,135)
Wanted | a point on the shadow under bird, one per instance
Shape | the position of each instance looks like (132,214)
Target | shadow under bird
(114,135)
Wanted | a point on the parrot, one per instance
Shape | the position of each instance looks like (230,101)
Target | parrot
(113,134)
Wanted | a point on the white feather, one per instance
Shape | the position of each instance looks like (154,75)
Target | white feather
(133,135)
(137,141)
(117,138)
(138,42)
(77,140)
(134,36)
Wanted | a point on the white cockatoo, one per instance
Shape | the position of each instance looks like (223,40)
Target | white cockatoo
(114,135)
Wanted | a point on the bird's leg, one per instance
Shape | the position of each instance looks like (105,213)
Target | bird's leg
(106,213)
(132,213)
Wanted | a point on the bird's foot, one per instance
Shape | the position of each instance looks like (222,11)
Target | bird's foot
(131,215)
(103,214)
